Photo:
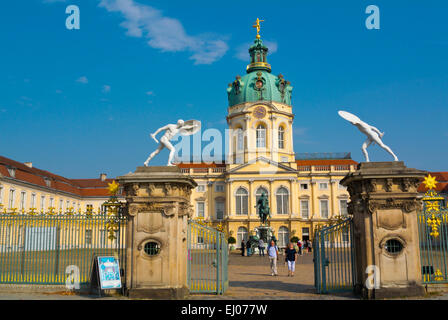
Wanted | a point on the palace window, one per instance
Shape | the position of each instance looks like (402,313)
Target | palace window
(240,139)
(241,235)
(201,188)
(282,201)
(219,207)
(200,209)
(259,192)
(343,208)
(283,237)
(305,233)
(323,186)
(42,203)
(261,136)
(219,187)
(281,138)
(304,209)
(1,194)
(12,172)
(324,209)
(241,201)
(33,200)
(68,205)
(51,202)
(304,186)
(11,198)
(61,204)
(22,200)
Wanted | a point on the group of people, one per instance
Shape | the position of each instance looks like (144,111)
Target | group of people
(246,246)
(291,254)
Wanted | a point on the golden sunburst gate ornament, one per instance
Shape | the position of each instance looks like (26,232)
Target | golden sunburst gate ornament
(430,182)
(113,188)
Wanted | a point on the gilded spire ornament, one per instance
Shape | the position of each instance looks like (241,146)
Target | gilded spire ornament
(258,27)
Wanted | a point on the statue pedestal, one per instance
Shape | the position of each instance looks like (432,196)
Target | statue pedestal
(158,208)
(264,233)
(384,204)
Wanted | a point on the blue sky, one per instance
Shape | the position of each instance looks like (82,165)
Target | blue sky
(81,102)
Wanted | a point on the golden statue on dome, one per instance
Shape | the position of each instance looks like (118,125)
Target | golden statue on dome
(258,27)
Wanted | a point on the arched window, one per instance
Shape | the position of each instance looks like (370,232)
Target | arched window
(282,201)
(281,138)
(261,136)
(241,235)
(241,201)
(259,192)
(283,237)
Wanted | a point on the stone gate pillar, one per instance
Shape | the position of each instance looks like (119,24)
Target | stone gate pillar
(158,208)
(384,205)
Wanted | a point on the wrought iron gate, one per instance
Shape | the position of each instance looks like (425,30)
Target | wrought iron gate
(207,259)
(334,258)
(433,237)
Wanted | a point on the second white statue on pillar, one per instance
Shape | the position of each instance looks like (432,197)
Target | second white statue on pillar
(372,133)
(184,128)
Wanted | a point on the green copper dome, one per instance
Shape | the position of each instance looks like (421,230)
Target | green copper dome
(259,84)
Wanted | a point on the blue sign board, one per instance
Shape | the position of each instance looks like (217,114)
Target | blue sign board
(109,272)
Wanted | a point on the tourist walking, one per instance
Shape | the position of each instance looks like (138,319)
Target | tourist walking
(261,248)
(299,247)
(291,259)
(310,246)
(243,246)
(248,248)
(273,255)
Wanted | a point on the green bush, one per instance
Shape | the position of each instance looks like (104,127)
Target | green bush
(294,239)
(231,240)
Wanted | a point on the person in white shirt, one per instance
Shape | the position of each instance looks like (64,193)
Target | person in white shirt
(273,255)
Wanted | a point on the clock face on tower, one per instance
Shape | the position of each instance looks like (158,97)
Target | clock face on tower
(259,112)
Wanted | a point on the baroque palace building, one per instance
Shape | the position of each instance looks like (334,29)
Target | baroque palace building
(24,188)
(303,190)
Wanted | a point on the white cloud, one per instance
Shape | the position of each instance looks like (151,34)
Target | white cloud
(242,51)
(106,88)
(83,79)
(165,33)
(299,131)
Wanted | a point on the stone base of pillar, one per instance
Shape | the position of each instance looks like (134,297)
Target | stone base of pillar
(408,291)
(158,293)
(384,204)
(158,208)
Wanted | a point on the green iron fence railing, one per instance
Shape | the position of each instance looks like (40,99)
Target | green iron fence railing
(37,249)
(207,259)
(433,234)
(334,258)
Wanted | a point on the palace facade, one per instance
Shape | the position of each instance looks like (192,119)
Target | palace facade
(24,188)
(303,190)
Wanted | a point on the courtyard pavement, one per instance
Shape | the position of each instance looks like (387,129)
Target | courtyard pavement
(249,279)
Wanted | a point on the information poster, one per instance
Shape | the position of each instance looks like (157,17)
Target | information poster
(109,273)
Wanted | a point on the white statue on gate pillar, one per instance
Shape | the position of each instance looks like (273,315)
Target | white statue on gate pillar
(184,128)
(373,134)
